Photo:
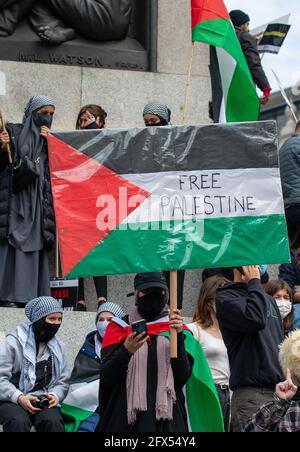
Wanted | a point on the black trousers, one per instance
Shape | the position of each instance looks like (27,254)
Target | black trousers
(100,286)
(15,419)
(224,397)
(293,224)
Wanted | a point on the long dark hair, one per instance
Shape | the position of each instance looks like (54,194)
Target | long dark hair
(274,286)
(207,299)
(96,111)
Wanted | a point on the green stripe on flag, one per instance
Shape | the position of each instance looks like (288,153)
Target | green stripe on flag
(73,417)
(242,100)
(216,242)
(203,406)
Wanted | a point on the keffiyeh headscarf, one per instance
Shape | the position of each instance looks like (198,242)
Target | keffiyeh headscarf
(36,103)
(38,308)
(25,228)
(158,109)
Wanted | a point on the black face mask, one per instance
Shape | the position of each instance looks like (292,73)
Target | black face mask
(45,331)
(161,123)
(42,119)
(151,305)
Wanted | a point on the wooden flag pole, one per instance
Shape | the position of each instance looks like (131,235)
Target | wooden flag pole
(57,256)
(7,146)
(173,305)
(188,85)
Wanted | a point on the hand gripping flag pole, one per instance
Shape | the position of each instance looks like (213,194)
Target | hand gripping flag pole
(173,306)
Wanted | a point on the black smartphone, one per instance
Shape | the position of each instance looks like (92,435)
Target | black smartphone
(139,327)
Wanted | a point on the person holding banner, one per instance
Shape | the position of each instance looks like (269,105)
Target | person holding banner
(248,43)
(33,371)
(156,114)
(91,117)
(27,221)
(141,386)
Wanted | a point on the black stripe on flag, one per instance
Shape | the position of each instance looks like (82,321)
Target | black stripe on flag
(179,148)
(274,36)
(216,84)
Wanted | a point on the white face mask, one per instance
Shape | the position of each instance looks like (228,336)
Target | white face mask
(101,327)
(284,306)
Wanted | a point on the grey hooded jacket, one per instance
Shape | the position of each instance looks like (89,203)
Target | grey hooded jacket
(289,156)
(11,362)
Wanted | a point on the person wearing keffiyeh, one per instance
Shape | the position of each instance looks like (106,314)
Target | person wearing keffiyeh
(32,365)
(27,223)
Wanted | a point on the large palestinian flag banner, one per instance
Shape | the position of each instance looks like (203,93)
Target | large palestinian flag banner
(230,73)
(167,198)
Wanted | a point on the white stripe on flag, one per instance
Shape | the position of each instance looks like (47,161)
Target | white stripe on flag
(208,194)
(227,67)
(83,395)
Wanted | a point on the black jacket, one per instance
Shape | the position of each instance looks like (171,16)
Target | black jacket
(113,392)
(252,330)
(290,273)
(48,226)
(249,47)
(87,363)
(14,131)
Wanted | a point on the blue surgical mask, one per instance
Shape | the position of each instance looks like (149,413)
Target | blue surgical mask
(263,269)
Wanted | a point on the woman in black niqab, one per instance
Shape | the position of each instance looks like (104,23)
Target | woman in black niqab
(30,226)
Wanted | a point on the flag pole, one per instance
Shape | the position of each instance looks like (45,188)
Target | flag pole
(294,114)
(173,305)
(6,147)
(284,95)
(57,256)
(188,85)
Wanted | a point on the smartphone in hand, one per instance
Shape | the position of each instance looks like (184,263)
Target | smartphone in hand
(139,327)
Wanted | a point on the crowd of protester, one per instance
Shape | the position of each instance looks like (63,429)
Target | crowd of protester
(245,323)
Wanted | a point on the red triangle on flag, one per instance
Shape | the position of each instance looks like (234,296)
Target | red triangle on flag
(82,190)
(204,10)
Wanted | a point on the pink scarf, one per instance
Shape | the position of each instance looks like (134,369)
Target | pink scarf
(137,380)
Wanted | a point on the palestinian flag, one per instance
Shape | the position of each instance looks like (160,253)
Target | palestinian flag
(168,198)
(80,403)
(202,401)
(211,24)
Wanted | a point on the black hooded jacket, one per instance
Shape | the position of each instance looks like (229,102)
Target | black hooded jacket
(252,330)
(48,222)
(249,47)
